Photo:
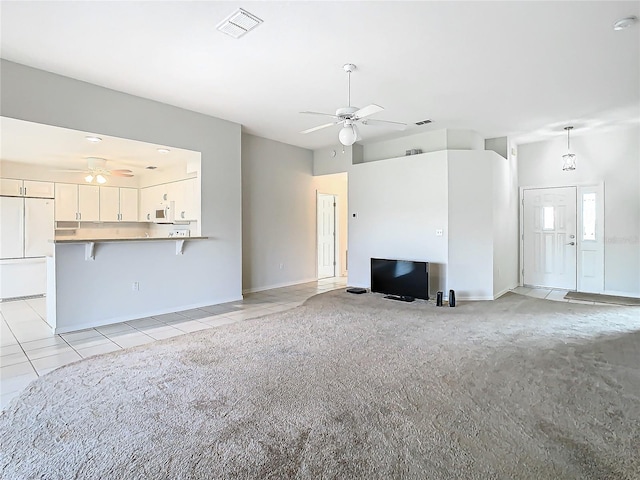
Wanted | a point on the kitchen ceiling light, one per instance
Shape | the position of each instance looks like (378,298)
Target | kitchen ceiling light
(569,159)
(88,178)
(163,150)
(93,139)
(100,179)
(625,22)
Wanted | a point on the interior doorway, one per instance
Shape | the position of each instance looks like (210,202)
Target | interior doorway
(562,238)
(327,235)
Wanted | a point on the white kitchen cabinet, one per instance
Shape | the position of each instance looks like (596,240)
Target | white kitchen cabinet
(148,201)
(89,203)
(187,199)
(26,188)
(66,207)
(11,187)
(77,202)
(33,188)
(128,204)
(118,204)
(109,204)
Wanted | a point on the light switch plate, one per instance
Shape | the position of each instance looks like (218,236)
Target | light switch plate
(439,232)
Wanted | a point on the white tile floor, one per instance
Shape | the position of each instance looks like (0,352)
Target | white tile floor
(555,294)
(28,349)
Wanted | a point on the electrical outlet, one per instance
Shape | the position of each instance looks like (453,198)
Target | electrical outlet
(136,286)
(439,232)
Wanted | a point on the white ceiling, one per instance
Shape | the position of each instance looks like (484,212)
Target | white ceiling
(523,69)
(61,148)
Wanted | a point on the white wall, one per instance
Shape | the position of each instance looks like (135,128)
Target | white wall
(278,205)
(211,270)
(609,157)
(398,204)
(470,254)
(279,213)
(429,141)
(332,160)
(505,223)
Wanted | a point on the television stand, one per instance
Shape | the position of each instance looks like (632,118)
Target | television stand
(401,298)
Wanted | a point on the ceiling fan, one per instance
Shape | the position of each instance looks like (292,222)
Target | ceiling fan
(350,116)
(97,170)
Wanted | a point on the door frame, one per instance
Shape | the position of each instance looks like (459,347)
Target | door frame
(336,238)
(600,226)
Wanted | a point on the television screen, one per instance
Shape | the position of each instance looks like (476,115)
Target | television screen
(400,277)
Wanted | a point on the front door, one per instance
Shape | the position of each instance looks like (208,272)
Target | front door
(326,235)
(549,237)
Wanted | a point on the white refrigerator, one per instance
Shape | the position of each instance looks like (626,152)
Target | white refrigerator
(26,232)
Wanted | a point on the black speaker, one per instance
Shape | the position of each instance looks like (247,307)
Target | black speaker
(452,298)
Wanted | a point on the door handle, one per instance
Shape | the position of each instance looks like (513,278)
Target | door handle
(571,243)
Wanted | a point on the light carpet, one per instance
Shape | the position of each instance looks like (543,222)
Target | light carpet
(349,386)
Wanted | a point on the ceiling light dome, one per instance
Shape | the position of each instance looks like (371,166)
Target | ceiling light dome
(348,134)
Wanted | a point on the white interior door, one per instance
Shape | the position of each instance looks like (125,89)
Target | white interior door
(326,235)
(549,237)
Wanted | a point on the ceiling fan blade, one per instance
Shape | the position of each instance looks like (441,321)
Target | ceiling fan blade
(320,113)
(117,173)
(319,127)
(385,123)
(71,171)
(121,170)
(368,110)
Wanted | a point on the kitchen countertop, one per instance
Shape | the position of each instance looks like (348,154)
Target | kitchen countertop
(123,239)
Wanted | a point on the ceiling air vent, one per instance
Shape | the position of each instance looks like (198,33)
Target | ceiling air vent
(239,23)
(423,122)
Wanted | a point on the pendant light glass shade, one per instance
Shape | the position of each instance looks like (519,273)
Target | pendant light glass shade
(100,179)
(88,178)
(568,159)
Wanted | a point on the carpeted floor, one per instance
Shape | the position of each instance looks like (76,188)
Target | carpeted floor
(349,386)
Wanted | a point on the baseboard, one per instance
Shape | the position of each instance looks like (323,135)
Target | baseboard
(278,285)
(499,294)
(127,318)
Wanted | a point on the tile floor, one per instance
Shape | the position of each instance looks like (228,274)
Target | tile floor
(28,349)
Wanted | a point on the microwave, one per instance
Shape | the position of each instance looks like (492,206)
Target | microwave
(164,213)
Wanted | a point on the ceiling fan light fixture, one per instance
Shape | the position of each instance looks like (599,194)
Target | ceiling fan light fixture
(101,179)
(88,178)
(347,135)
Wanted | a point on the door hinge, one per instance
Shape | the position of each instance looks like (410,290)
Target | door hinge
(334,204)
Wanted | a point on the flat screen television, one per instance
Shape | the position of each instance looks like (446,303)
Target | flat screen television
(400,277)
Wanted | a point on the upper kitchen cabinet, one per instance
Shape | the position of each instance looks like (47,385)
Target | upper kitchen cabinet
(26,188)
(118,204)
(77,202)
(186,197)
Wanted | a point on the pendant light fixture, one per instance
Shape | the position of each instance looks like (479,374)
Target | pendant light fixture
(569,159)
